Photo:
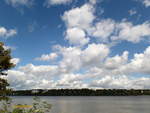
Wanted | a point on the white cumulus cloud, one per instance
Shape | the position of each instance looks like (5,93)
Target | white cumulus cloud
(76,36)
(47,57)
(80,17)
(102,31)
(57,2)
(6,33)
(132,33)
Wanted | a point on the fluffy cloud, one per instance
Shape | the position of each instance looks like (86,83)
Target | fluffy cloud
(71,81)
(121,65)
(146,2)
(76,36)
(121,82)
(81,17)
(102,31)
(96,66)
(82,21)
(116,61)
(19,80)
(15,3)
(78,21)
(47,57)
(35,77)
(94,53)
(15,61)
(86,61)
(5,33)
(74,58)
(120,31)
(31,76)
(132,33)
(57,2)
(70,59)
(141,62)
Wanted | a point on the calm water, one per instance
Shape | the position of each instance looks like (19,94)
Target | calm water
(139,104)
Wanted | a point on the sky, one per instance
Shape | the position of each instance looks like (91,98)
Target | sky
(77,43)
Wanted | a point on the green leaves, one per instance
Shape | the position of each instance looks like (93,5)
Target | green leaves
(5,64)
(38,106)
(5,59)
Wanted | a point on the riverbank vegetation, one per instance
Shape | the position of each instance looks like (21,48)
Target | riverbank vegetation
(81,92)
(38,106)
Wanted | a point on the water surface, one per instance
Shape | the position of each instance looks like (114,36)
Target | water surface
(102,104)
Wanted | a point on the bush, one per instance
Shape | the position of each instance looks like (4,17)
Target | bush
(38,106)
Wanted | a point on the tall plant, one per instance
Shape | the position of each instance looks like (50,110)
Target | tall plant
(5,64)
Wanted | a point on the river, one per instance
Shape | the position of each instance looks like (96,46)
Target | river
(101,104)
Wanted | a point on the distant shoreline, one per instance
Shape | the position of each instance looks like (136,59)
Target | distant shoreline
(82,92)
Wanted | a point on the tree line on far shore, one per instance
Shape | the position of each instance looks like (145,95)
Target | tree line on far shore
(81,92)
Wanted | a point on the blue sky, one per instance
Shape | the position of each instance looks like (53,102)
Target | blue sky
(77,43)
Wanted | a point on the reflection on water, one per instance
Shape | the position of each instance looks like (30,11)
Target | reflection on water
(137,104)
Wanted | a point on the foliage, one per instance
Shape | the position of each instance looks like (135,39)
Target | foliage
(5,64)
(38,106)
(82,92)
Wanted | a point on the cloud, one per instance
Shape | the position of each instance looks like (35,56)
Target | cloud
(121,82)
(102,31)
(121,65)
(5,33)
(76,36)
(81,17)
(78,20)
(16,3)
(93,1)
(146,2)
(48,3)
(120,31)
(9,47)
(132,33)
(94,53)
(101,70)
(70,59)
(47,57)
(86,62)
(83,20)
(132,12)
(140,62)
(31,76)
(116,61)
(73,58)
(15,61)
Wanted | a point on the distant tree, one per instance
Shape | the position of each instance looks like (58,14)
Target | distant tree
(5,64)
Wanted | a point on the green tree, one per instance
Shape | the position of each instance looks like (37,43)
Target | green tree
(5,64)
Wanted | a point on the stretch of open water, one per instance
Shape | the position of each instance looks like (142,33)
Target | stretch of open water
(101,104)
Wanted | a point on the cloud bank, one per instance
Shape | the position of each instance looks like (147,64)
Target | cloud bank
(87,61)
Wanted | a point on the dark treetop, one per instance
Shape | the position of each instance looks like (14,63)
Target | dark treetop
(5,64)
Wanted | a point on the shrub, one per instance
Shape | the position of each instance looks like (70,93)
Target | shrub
(38,106)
